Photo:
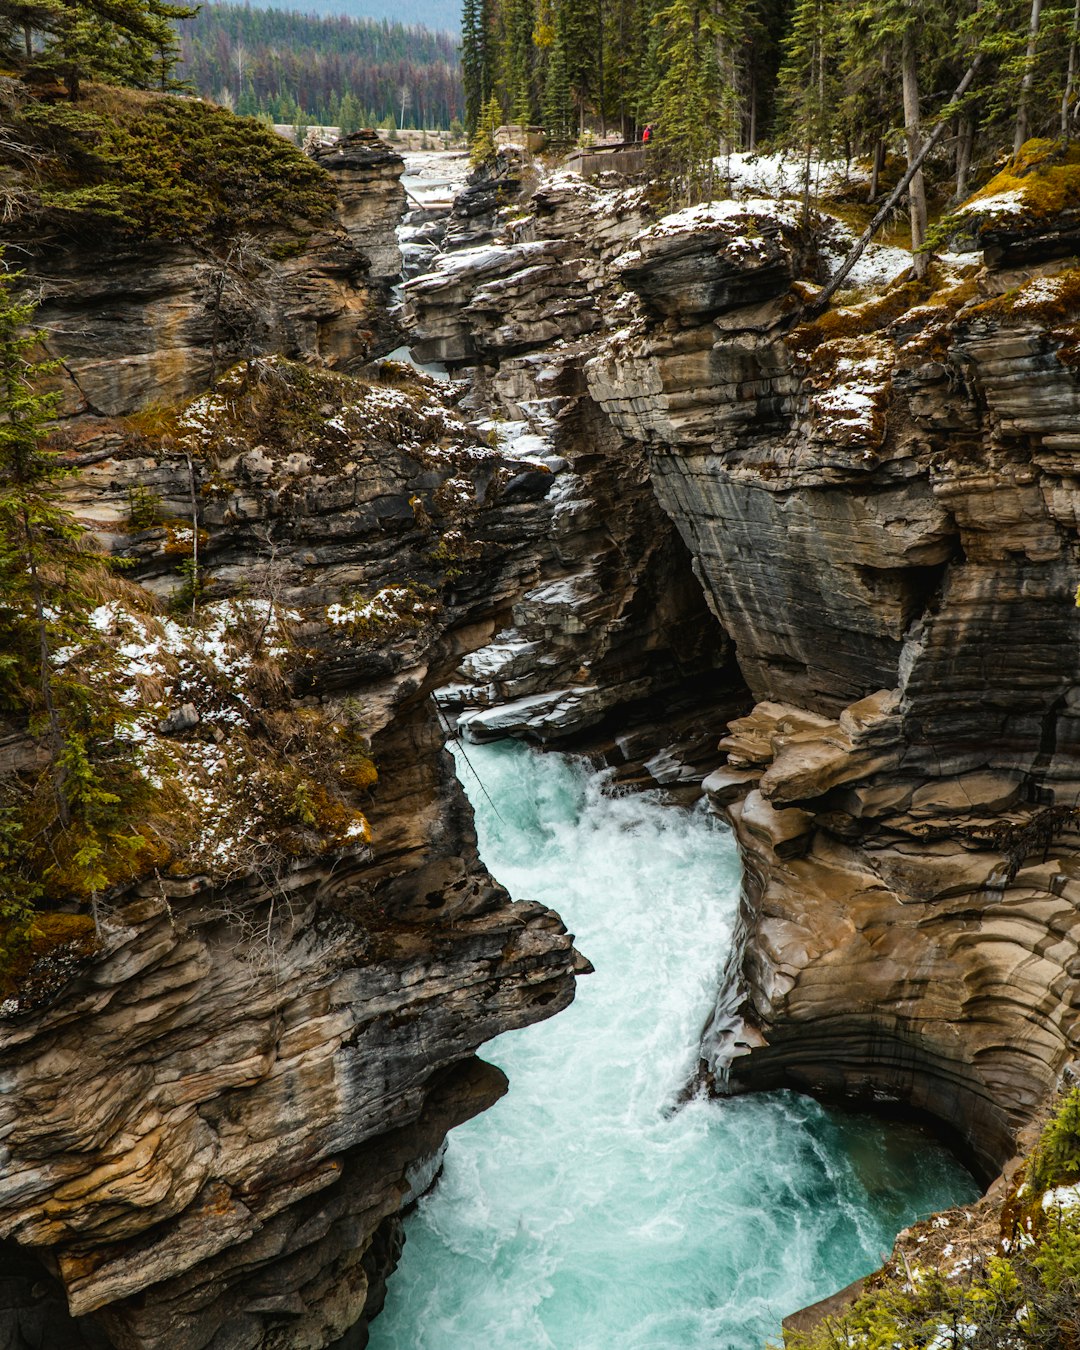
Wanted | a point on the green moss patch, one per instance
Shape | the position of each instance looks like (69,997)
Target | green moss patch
(855,321)
(1036,186)
(38,956)
(1005,1279)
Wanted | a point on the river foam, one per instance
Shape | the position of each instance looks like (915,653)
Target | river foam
(586,1210)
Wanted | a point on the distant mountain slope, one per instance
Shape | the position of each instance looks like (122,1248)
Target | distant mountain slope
(336,70)
(440,15)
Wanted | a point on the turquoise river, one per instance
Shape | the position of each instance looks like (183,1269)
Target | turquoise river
(586,1212)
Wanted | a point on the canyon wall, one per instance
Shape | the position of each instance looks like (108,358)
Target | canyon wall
(216,1105)
(220,1096)
(672,513)
(879,505)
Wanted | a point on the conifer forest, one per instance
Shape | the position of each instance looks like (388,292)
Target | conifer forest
(821,78)
(334,71)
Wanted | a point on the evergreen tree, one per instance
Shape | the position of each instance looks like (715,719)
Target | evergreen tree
(579,23)
(695,106)
(908,37)
(474,68)
(129,42)
(558,103)
(62,833)
(518,60)
(482,148)
(350,115)
(809,82)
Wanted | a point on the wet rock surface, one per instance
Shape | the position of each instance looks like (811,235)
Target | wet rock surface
(669,511)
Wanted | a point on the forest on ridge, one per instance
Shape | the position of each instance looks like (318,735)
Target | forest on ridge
(828,78)
(335,71)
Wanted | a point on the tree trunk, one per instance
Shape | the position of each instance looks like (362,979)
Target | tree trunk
(753,98)
(909,75)
(1070,78)
(45,673)
(600,64)
(819,303)
(1023,120)
(965,149)
(875,172)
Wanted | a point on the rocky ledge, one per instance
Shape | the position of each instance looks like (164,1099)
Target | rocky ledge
(135,325)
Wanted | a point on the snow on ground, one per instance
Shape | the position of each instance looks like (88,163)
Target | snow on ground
(784,175)
(433,178)
(1062,1197)
(879,264)
(1010,203)
(692,218)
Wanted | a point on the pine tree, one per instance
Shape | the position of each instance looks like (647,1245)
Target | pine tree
(62,833)
(579,22)
(558,104)
(477,58)
(908,37)
(695,106)
(129,42)
(810,89)
(472,64)
(350,116)
(518,60)
(482,148)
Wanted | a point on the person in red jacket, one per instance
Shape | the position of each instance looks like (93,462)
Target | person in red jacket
(646,135)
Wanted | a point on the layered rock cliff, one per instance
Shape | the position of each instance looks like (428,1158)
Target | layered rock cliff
(618,655)
(683,498)
(137,325)
(879,506)
(220,1092)
(880,503)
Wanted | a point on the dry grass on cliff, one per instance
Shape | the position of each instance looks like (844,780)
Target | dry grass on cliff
(287,409)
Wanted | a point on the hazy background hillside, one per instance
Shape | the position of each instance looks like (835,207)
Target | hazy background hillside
(442,15)
(330,69)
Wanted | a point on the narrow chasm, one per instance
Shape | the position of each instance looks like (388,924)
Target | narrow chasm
(588,1208)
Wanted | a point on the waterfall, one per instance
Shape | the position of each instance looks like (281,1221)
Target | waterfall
(589,1208)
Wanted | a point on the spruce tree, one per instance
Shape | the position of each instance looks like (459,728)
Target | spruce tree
(130,42)
(482,148)
(908,37)
(63,833)
(558,104)
(473,74)
(518,60)
(810,89)
(578,25)
(695,106)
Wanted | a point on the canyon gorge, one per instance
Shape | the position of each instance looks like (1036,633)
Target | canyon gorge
(818,569)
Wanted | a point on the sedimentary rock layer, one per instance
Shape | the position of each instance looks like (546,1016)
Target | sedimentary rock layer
(881,507)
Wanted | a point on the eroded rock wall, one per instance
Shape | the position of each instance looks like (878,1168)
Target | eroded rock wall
(213,1115)
(880,504)
(135,326)
(616,652)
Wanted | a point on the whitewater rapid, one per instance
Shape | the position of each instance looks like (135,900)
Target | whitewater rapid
(588,1209)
